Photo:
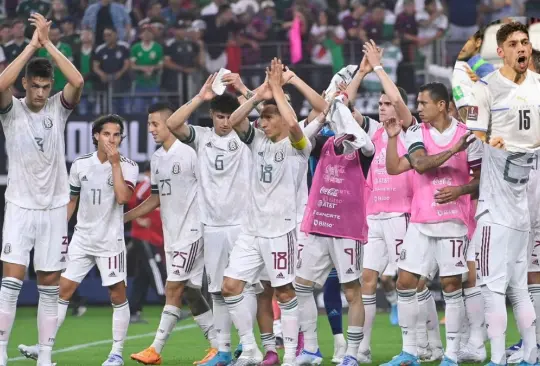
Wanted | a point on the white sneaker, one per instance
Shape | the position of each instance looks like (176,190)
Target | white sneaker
(363,357)
(469,354)
(424,353)
(515,357)
(31,352)
(340,347)
(113,360)
(437,354)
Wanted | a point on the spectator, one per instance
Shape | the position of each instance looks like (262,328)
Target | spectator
(54,35)
(373,27)
(343,9)
(147,63)
(496,9)
(419,6)
(106,14)
(69,36)
(219,28)
(432,26)
(5,33)
(59,11)
(111,63)
(83,61)
(212,8)
(14,48)
(407,28)
(353,22)
(27,7)
(183,56)
(248,38)
(174,12)
(154,11)
(265,24)
(327,35)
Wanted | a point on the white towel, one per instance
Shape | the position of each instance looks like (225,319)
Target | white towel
(348,131)
(344,75)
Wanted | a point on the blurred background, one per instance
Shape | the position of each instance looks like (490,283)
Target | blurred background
(135,52)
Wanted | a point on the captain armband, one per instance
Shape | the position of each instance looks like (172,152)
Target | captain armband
(300,145)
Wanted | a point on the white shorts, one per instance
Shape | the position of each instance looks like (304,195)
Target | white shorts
(503,256)
(252,254)
(218,243)
(319,254)
(186,264)
(385,238)
(45,231)
(112,269)
(534,250)
(422,254)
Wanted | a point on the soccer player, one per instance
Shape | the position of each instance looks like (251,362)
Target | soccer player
(224,166)
(437,235)
(102,182)
(37,193)
(173,179)
(268,238)
(506,108)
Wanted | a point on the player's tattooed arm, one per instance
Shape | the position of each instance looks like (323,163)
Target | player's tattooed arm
(147,206)
(196,301)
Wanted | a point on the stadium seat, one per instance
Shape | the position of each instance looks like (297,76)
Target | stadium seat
(489,47)
(534,35)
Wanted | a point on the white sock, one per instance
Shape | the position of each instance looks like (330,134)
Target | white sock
(455,311)
(391,297)
(277,324)
(205,321)
(370,308)
(250,298)
(433,332)
(474,306)
(268,341)
(9,293)
(534,290)
(63,306)
(169,318)
(242,320)
(120,326)
(408,315)
(496,323)
(421,322)
(307,316)
(47,321)
(525,318)
(354,337)
(222,323)
(289,321)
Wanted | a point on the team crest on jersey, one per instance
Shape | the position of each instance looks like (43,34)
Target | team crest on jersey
(233,145)
(279,156)
(176,168)
(47,122)
(7,248)
(350,156)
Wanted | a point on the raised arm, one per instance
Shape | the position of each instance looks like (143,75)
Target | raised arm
(316,101)
(123,189)
(177,121)
(73,89)
(239,119)
(395,164)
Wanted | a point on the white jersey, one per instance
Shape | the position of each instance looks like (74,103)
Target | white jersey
(174,177)
(275,181)
(224,167)
(100,220)
(503,187)
(462,85)
(504,109)
(533,196)
(415,140)
(37,174)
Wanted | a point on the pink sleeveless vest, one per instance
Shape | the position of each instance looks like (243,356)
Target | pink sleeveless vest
(384,192)
(336,205)
(454,172)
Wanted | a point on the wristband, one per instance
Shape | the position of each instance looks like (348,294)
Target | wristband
(378,67)
(345,94)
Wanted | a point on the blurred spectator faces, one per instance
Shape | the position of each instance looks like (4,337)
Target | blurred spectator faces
(5,33)
(109,36)
(87,36)
(68,25)
(268,8)
(17,29)
(378,13)
(359,9)
(55,34)
(154,11)
(147,35)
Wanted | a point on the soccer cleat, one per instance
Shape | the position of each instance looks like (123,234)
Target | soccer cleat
(403,359)
(348,361)
(340,347)
(468,354)
(306,358)
(523,363)
(113,360)
(220,359)
(363,357)
(448,362)
(31,352)
(211,352)
(137,319)
(514,348)
(238,351)
(437,354)
(424,354)
(271,358)
(494,364)
(245,361)
(258,355)
(148,356)
(300,344)
(393,315)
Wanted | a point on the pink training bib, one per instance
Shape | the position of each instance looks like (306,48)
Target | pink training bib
(454,172)
(384,192)
(336,205)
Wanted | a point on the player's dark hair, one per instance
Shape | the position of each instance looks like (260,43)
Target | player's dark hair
(506,30)
(161,107)
(479,34)
(39,67)
(535,57)
(428,2)
(17,21)
(437,92)
(225,103)
(98,124)
(402,93)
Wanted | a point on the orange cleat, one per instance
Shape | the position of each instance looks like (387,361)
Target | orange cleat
(147,357)
(443,321)
(211,353)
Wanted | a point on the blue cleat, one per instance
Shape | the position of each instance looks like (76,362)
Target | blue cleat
(448,362)
(514,348)
(494,364)
(306,358)
(220,359)
(393,315)
(523,363)
(348,361)
(238,351)
(403,359)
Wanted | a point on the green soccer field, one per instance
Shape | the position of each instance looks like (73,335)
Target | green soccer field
(86,341)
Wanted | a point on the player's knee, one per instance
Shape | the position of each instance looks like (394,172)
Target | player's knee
(352,291)
(173,290)
(285,293)
(117,293)
(533,278)
(13,270)
(48,278)
(406,280)
(67,288)
(232,287)
(369,281)
(451,283)
(303,282)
